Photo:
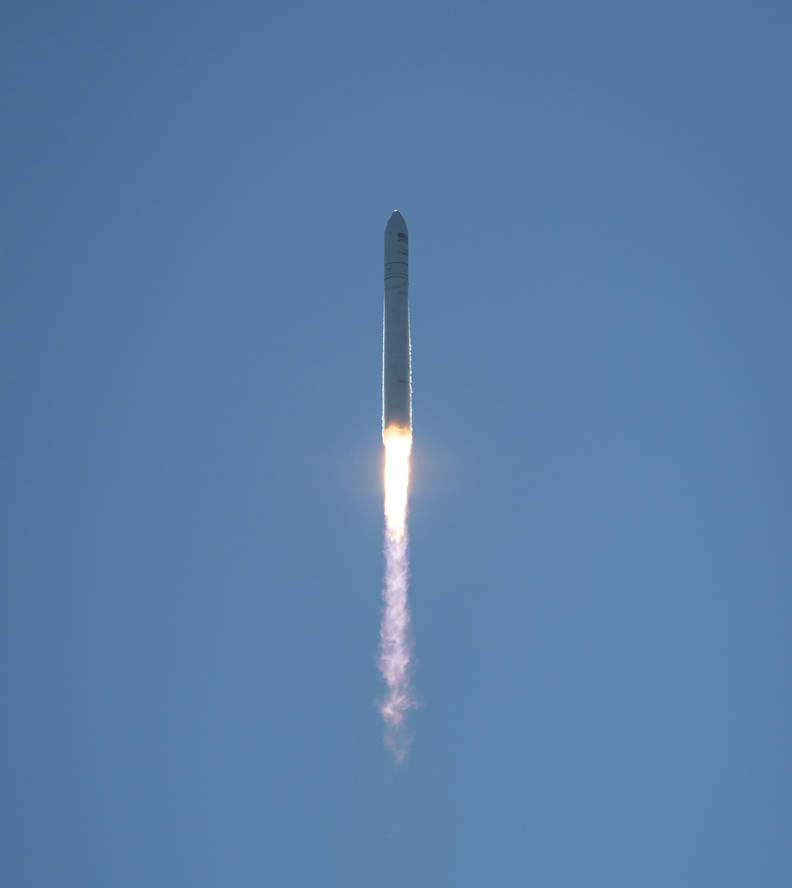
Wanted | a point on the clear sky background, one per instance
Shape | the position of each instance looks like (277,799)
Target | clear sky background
(193,204)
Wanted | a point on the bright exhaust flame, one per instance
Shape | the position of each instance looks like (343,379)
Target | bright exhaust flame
(398,444)
(395,643)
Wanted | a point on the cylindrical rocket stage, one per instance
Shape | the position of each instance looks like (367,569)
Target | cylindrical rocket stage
(396,379)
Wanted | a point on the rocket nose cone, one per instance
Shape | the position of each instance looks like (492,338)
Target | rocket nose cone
(396,223)
(396,242)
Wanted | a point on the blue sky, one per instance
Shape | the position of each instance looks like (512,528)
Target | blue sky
(194,197)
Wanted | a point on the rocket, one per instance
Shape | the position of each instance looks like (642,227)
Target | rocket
(396,379)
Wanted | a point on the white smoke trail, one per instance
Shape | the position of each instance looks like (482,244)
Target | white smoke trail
(395,641)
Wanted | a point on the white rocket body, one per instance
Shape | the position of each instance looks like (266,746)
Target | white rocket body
(396,378)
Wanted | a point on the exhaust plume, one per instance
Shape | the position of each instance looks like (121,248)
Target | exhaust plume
(395,641)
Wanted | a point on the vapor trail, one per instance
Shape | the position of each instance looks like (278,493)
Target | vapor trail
(395,641)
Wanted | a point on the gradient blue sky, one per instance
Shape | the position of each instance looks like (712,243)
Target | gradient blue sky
(194,198)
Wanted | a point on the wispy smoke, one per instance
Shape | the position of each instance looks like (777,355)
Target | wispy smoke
(396,646)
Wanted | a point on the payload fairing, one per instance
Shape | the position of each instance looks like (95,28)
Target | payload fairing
(396,379)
